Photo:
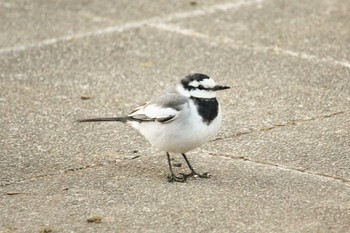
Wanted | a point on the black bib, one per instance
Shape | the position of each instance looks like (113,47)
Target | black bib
(207,108)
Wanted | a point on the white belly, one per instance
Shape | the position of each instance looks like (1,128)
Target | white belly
(181,135)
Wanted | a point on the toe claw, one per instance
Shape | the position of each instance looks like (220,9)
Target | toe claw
(182,177)
(205,175)
(173,178)
(196,175)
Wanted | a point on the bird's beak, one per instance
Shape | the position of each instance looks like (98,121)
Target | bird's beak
(219,88)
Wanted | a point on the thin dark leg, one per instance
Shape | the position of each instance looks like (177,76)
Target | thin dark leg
(193,172)
(172,177)
(188,162)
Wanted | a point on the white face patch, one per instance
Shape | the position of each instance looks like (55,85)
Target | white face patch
(202,94)
(194,83)
(195,93)
(207,83)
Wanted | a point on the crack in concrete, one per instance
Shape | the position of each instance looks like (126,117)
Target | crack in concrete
(295,169)
(290,123)
(130,25)
(59,172)
(236,44)
(275,126)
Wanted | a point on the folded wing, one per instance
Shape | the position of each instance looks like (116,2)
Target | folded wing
(164,109)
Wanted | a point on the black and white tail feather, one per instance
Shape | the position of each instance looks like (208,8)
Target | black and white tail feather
(121,119)
(182,118)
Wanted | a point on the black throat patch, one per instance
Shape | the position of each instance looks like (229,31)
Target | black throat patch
(207,108)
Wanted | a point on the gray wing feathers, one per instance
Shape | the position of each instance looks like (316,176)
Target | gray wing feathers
(163,109)
(170,99)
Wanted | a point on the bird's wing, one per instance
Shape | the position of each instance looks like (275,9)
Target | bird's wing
(164,109)
(153,112)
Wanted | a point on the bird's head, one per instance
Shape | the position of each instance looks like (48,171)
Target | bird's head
(199,86)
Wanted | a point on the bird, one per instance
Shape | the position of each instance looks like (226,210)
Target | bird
(180,119)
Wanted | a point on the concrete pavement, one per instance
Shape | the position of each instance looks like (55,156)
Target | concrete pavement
(280,163)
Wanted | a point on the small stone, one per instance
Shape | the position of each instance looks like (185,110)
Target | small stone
(45,229)
(94,219)
(85,97)
(177,164)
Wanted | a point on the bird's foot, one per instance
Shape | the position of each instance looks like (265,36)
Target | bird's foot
(173,178)
(195,175)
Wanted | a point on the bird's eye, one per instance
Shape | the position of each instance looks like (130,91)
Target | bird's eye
(200,87)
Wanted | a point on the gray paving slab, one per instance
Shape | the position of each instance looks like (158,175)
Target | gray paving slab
(133,196)
(312,27)
(318,146)
(26,22)
(279,164)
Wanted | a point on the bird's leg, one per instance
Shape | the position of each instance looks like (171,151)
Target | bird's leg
(172,177)
(193,172)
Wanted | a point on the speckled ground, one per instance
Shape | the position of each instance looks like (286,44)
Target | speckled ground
(281,162)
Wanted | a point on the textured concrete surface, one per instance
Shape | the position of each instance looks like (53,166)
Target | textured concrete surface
(280,163)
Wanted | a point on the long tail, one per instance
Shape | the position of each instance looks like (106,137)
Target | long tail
(121,119)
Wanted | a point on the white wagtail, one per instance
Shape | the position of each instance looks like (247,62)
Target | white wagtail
(180,119)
